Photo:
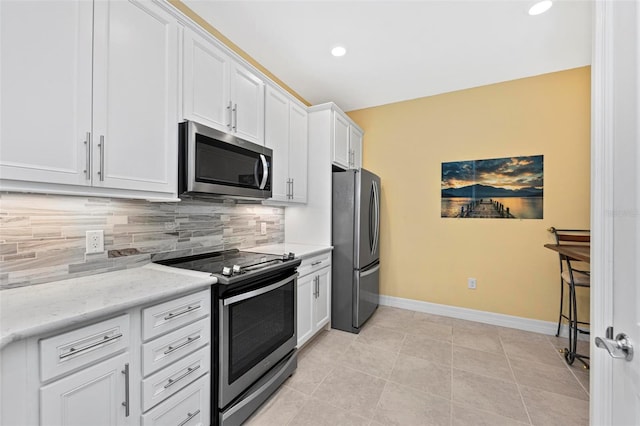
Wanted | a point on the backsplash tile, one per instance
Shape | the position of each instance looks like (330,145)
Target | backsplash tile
(42,237)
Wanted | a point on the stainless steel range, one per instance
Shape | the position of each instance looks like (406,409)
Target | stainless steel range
(254,327)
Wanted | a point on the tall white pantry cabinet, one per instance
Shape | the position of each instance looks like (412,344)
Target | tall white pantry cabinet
(89,94)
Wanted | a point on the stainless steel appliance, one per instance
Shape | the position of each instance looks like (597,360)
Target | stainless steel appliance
(254,327)
(356,242)
(211,162)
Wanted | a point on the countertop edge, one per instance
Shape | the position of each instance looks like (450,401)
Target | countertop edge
(21,333)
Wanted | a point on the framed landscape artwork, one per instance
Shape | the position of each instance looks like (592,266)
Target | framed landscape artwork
(504,188)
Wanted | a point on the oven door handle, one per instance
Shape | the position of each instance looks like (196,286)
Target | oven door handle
(258,292)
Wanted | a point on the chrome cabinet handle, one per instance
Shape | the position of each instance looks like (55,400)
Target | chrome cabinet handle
(189,417)
(87,144)
(316,263)
(172,382)
(186,342)
(101,146)
(126,390)
(620,348)
(230,116)
(172,315)
(75,351)
(292,188)
(235,117)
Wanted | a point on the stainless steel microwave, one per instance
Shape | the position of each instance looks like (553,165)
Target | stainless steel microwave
(212,162)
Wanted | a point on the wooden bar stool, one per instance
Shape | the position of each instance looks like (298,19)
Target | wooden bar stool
(573,274)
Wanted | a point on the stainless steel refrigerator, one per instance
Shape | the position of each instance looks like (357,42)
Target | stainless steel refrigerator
(356,242)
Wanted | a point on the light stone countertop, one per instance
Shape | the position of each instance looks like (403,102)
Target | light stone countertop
(39,309)
(302,251)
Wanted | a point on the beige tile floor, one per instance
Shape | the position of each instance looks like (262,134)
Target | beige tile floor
(411,368)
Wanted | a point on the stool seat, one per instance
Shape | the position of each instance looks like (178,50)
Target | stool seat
(580,279)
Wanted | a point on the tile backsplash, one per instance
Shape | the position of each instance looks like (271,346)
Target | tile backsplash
(42,237)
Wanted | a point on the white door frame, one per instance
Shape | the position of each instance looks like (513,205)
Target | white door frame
(601,200)
(602,215)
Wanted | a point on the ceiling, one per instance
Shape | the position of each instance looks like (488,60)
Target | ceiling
(400,50)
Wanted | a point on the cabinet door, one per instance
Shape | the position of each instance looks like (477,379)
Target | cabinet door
(93,396)
(323,299)
(298,148)
(247,95)
(276,137)
(355,145)
(206,83)
(45,107)
(306,299)
(340,147)
(135,96)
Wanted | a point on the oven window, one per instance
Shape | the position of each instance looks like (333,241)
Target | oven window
(258,326)
(222,163)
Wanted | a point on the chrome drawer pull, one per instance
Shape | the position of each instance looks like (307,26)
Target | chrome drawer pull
(174,381)
(172,315)
(316,263)
(175,348)
(189,417)
(75,351)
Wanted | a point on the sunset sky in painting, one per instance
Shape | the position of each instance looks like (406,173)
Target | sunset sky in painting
(509,173)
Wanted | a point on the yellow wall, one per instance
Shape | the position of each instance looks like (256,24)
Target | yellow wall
(428,258)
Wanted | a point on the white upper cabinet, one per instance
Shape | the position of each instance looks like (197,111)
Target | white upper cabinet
(355,145)
(206,82)
(346,147)
(45,91)
(340,147)
(220,92)
(90,98)
(286,134)
(135,96)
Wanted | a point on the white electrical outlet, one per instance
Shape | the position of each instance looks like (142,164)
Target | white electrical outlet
(263,228)
(471,283)
(95,242)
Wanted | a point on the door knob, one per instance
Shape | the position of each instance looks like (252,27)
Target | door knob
(619,348)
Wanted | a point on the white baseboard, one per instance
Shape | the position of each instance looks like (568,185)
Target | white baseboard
(502,320)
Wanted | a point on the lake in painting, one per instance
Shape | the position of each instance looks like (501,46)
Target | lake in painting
(510,187)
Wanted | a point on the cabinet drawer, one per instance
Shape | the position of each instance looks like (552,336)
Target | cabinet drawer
(314,263)
(68,351)
(170,380)
(167,316)
(171,347)
(189,407)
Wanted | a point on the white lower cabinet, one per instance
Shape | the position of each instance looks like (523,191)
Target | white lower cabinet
(104,373)
(314,298)
(98,395)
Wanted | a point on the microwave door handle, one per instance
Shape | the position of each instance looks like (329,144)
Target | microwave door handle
(265,171)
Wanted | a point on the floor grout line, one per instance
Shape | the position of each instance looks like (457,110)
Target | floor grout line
(524,404)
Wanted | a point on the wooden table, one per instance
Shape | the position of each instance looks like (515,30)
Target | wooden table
(581,253)
(574,251)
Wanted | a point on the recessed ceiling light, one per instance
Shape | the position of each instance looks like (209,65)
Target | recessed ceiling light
(338,51)
(540,7)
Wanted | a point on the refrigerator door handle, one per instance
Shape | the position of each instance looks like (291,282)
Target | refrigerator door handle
(370,271)
(376,219)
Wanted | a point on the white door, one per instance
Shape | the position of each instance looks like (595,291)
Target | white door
(298,152)
(323,298)
(205,82)
(615,297)
(135,96)
(355,148)
(276,137)
(45,91)
(247,95)
(304,308)
(340,146)
(93,396)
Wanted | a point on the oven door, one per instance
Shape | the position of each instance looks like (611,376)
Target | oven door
(257,329)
